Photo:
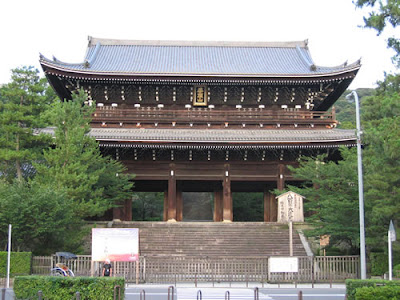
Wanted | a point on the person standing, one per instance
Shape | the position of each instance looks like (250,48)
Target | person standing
(107,268)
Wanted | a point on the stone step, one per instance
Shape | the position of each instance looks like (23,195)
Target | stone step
(236,239)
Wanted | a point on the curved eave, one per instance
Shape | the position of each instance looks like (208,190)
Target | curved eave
(100,75)
(111,143)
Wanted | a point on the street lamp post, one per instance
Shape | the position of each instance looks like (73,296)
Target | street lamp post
(360,187)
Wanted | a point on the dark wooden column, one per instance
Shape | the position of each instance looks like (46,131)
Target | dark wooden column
(165,214)
(267,209)
(179,202)
(218,205)
(172,194)
(128,210)
(281,177)
(118,213)
(227,196)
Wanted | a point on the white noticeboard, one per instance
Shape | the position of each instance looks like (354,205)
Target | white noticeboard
(283,264)
(115,244)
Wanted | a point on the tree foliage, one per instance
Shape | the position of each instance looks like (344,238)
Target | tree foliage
(93,182)
(381,121)
(330,189)
(42,218)
(382,14)
(23,102)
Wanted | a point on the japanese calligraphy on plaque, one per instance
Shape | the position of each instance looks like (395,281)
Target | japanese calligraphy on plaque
(290,208)
(200,96)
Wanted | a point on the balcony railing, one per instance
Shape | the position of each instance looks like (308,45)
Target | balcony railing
(204,115)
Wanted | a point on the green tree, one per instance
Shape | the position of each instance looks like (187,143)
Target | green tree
(148,206)
(23,102)
(382,164)
(42,218)
(331,193)
(93,183)
(383,13)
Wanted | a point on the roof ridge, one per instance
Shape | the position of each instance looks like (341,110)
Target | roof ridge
(121,42)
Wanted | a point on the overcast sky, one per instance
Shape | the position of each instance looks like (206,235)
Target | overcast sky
(61,28)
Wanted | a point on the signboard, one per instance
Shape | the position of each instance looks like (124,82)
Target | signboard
(290,208)
(283,264)
(115,244)
(200,96)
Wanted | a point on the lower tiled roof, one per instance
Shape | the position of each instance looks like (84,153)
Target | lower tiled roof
(222,135)
(160,137)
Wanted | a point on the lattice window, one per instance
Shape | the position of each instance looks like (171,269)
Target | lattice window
(148,93)
(165,94)
(183,94)
(131,94)
(234,95)
(216,95)
(251,95)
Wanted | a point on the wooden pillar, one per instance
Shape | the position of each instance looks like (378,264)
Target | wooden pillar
(165,215)
(227,196)
(218,205)
(266,207)
(281,177)
(270,207)
(273,207)
(128,210)
(172,194)
(179,202)
(118,213)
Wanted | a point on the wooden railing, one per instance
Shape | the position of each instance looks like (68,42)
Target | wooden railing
(161,269)
(204,115)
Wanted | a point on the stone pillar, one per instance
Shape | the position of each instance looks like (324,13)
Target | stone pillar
(227,196)
(218,206)
(172,194)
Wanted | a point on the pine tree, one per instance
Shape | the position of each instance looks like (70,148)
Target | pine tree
(23,102)
(93,182)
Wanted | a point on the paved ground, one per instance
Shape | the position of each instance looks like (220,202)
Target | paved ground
(235,291)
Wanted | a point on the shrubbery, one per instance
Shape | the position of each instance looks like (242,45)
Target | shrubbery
(61,288)
(20,263)
(353,285)
(378,293)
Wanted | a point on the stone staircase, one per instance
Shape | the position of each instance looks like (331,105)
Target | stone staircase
(236,239)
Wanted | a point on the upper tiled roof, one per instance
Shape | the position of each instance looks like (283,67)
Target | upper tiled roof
(163,58)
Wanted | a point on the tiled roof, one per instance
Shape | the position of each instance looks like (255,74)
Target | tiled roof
(265,136)
(198,59)
(215,137)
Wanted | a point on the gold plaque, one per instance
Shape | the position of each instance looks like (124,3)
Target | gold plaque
(200,96)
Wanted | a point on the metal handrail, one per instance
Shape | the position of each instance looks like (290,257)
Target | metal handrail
(227,295)
(256,294)
(199,293)
(171,288)
(143,292)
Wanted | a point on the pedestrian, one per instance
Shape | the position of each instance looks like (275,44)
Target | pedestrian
(107,268)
